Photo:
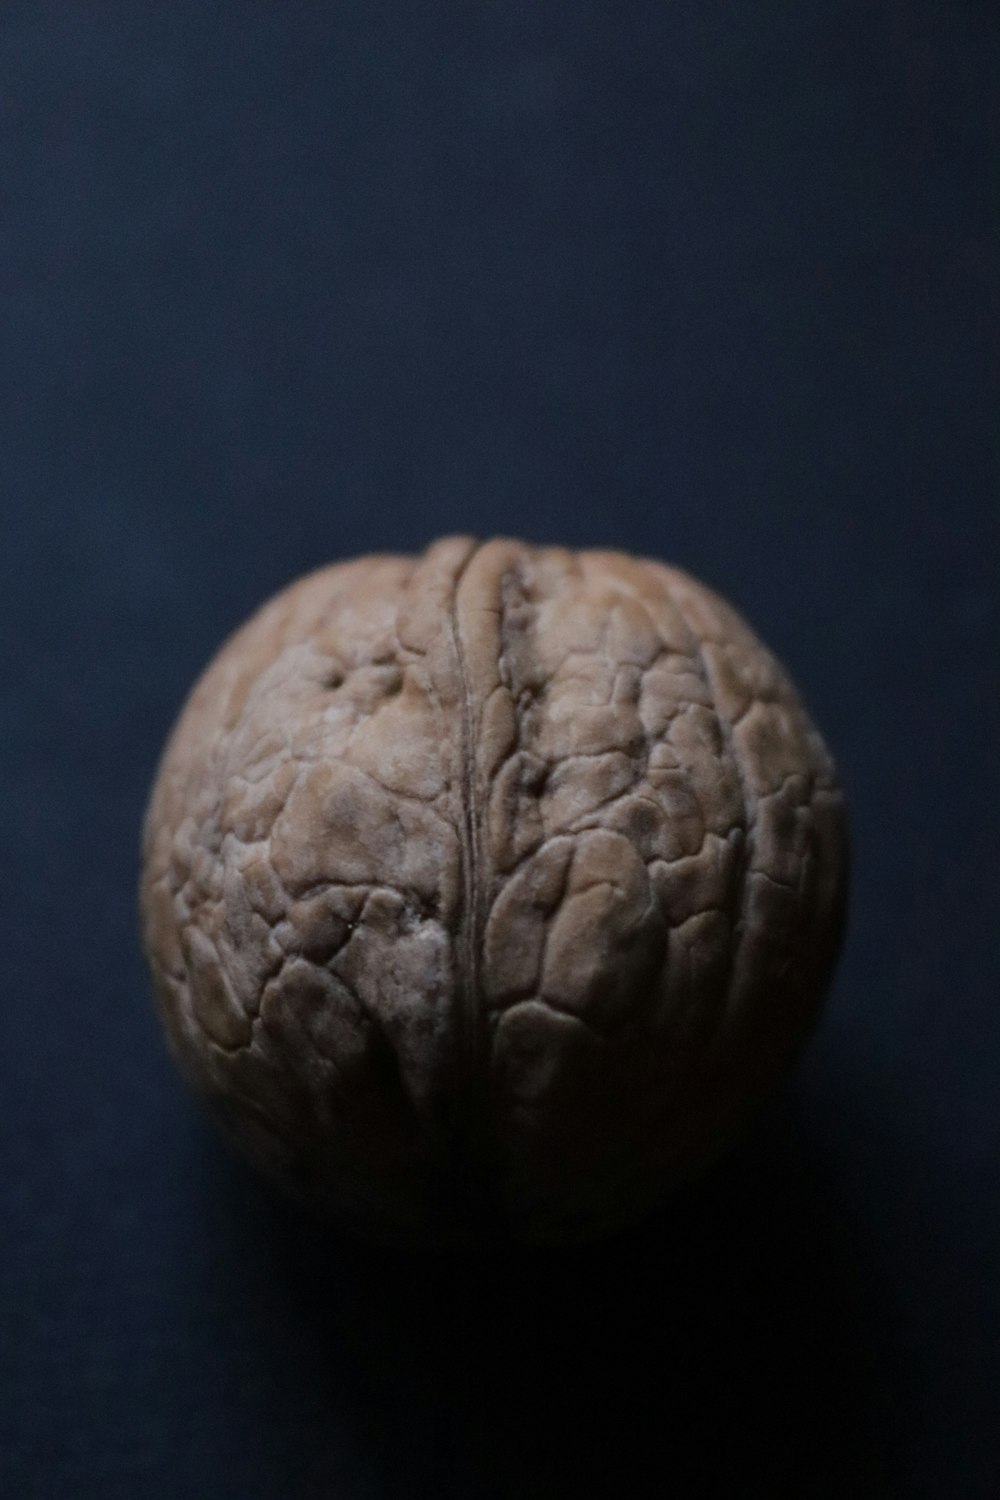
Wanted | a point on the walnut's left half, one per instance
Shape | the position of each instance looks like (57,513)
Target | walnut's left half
(305,888)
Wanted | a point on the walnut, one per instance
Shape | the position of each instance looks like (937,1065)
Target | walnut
(488,891)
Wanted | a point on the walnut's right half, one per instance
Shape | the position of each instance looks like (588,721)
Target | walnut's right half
(660,851)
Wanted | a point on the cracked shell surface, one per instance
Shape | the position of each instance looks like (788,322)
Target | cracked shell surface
(487,891)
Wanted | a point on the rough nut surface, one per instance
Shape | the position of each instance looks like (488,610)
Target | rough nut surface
(490,889)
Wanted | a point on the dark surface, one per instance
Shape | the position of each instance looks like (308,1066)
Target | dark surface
(286,283)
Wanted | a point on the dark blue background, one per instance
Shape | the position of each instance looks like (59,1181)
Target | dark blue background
(283,283)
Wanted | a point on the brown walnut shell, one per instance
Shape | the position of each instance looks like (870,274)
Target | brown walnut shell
(489,890)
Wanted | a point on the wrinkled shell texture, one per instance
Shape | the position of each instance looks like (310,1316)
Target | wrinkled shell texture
(487,891)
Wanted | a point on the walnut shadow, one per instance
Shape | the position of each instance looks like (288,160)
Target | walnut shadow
(734,1345)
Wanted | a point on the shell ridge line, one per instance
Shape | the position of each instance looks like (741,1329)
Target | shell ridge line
(469,934)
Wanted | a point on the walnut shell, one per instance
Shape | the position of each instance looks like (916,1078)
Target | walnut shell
(488,890)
